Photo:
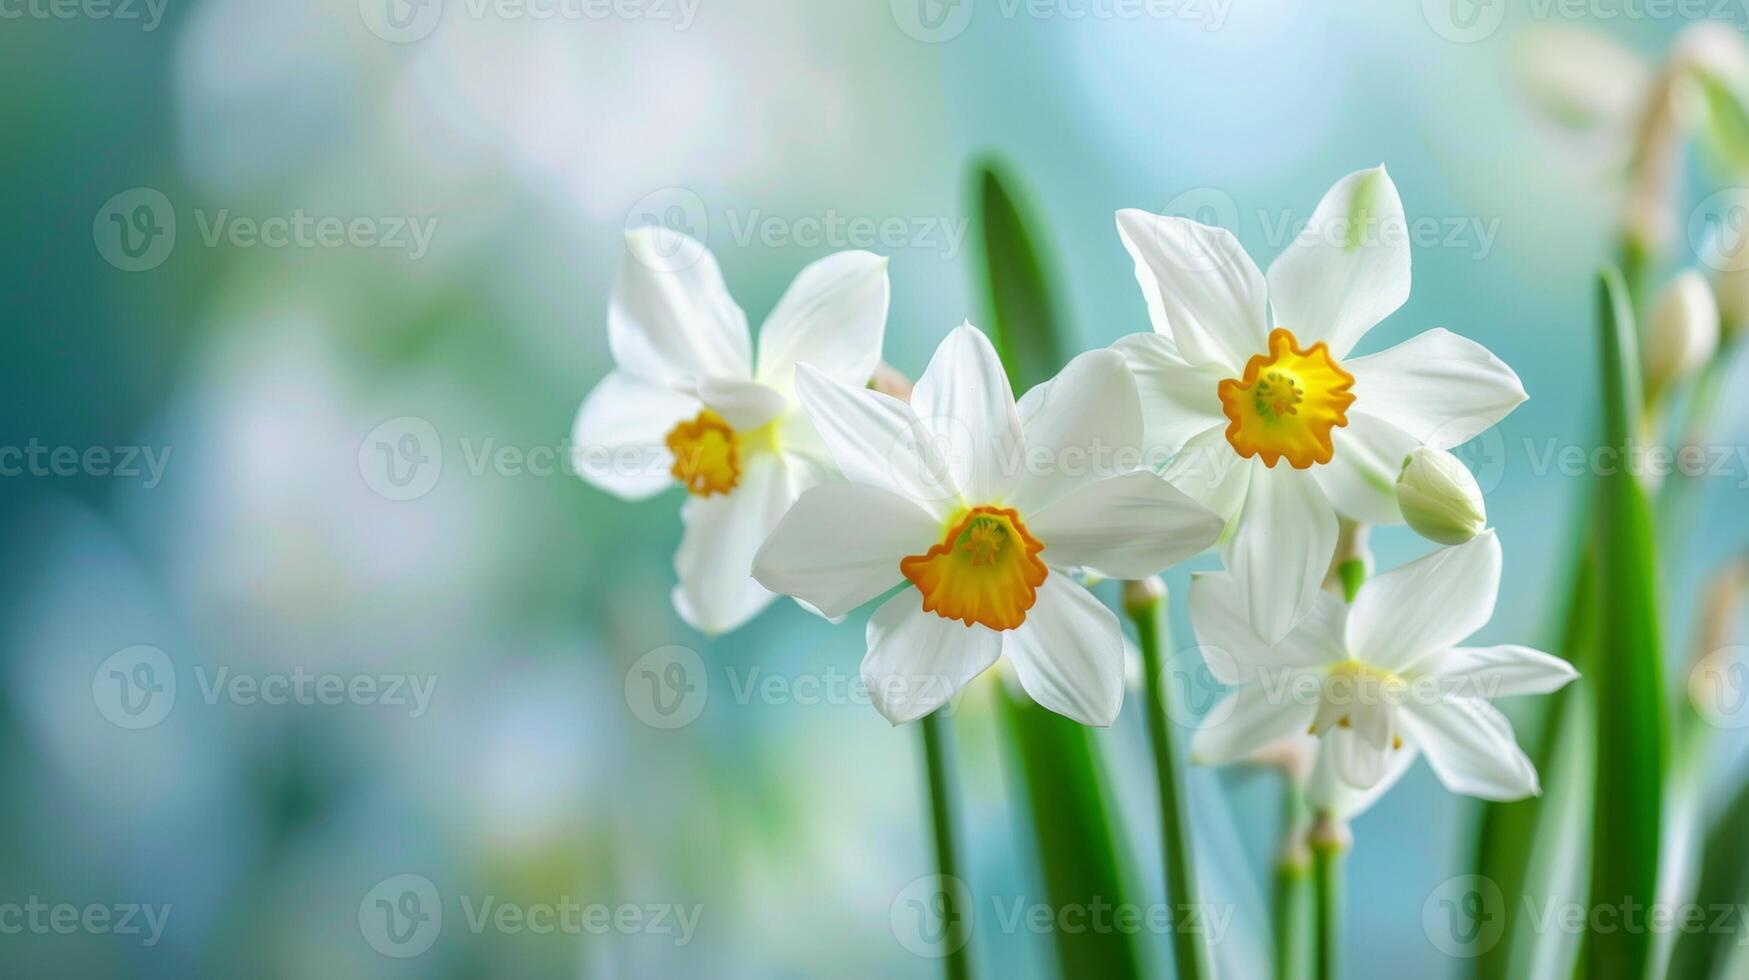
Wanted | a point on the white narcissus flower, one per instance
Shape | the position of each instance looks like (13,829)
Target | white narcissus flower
(687,404)
(981,509)
(1279,430)
(1378,681)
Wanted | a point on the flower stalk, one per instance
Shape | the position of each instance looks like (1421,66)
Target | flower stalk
(1329,841)
(957,963)
(1144,601)
(1291,909)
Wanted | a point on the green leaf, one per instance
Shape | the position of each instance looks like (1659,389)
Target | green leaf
(1726,122)
(1079,855)
(1626,677)
(1527,847)
(1019,299)
(1724,883)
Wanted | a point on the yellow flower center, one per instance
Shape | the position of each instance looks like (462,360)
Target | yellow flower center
(1351,685)
(707,458)
(985,570)
(1287,403)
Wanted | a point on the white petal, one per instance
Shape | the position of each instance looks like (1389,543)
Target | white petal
(1128,526)
(833,316)
(1282,546)
(917,660)
(1437,386)
(876,439)
(1503,671)
(1359,751)
(1471,748)
(670,320)
(1326,790)
(964,400)
(1178,401)
(1211,473)
(1349,267)
(1087,428)
(1203,291)
(1220,614)
(745,405)
(1250,718)
(619,439)
(1068,654)
(1361,477)
(717,592)
(840,546)
(1430,604)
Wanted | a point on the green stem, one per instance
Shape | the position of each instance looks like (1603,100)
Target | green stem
(1292,900)
(958,962)
(1329,844)
(1144,602)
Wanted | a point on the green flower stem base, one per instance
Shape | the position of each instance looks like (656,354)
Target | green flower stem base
(1291,909)
(958,961)
(1144,601)
(1329,842)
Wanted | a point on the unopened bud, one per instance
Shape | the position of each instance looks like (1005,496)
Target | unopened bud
(1440,498)
(1143,595)
(1682,334)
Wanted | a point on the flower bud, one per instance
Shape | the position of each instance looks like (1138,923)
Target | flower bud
(1731,289)
(1682,334)
(1439,498)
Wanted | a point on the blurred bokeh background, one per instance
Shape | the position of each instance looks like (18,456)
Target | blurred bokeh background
(218,500)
